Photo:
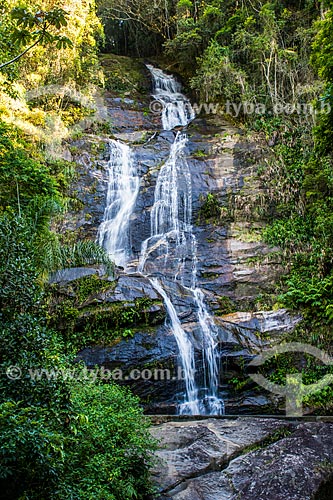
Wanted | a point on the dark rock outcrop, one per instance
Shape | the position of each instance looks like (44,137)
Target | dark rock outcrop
(247,459)
(148,365)
(156,348)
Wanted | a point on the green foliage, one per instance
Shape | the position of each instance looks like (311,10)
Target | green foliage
(322,55)
(38,25)
(22,177)
(187,45)
(250,52)
(307,242)
(109,447)
(303,228)
(33,189)
(226,306)
(124,75)
(210,207)
(101,450)
(290,233)
(32,412)
(306,290)
(54,256)
(184,8)
(211,210)
(324,127)
(62,42)
(137,28)
(84,287)
(76,311)
(301,224)
(238,384)
(37,28)
(32,452)
(312,371)
(318,182)
(39,248)
(18,275)
(59,439)
(37,20)
(217,76)
(200,154)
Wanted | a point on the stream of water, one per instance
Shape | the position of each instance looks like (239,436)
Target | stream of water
(176,108)
(123,189)
(171,249)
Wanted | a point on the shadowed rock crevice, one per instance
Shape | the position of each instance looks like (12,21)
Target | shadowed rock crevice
(326,489)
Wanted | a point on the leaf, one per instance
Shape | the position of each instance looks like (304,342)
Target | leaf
(22,36)
(63,42)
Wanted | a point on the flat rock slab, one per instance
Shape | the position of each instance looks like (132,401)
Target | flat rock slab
(246,458)
(71,274)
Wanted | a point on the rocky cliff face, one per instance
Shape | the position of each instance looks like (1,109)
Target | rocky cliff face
(236,270)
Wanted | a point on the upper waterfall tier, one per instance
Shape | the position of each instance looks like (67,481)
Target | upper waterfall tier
(176,108)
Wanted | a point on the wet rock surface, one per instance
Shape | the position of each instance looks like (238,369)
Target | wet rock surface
(232,260)
(234,266)
(73,273)
(156,349)
(245,459)
(253,332)
(129,288)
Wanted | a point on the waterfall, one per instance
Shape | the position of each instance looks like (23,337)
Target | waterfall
(211,403)
(186,352)
(177,109)
(171,249)
(171,213)
(172,245)
(123,188)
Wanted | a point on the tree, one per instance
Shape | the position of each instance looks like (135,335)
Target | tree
(155,16)
(322,60)
(38,27)
(217,76)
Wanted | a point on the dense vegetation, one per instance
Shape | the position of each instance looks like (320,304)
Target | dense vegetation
(65,439)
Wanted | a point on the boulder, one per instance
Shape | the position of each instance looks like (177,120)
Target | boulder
(246,458)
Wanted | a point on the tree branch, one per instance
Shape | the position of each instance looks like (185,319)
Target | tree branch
(3,65)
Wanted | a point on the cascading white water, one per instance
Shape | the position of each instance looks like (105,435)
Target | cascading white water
(177,109)
(172,243)
(211,403)
(172,211)
(186,352)
(172,236)
(165,215)
(123,188)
